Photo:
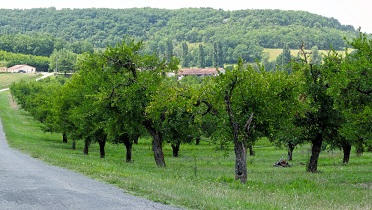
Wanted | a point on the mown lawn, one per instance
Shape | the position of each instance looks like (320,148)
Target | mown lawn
(203,176)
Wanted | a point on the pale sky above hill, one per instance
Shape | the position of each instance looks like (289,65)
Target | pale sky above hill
(348,12)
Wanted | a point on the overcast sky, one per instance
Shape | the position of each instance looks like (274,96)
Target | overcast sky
(349,12)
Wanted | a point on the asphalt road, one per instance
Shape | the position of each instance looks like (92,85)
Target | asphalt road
(27,183)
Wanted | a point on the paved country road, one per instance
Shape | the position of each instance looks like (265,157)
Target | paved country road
(27,183)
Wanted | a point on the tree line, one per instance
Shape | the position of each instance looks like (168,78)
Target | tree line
(122,93)
(9,59)
(42,51)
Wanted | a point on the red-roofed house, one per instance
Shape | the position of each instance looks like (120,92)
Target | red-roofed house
(22,69)
(200,72)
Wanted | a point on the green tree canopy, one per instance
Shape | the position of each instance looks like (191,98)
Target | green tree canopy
(248,103)
(63,61)
(350,86)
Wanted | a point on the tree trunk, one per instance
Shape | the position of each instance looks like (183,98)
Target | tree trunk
(360,147)
(251,152)
(315,151)
(64,137)
(86,145)
(369,148)
(175,149)
(74,145)
(136,140)
(158,151)
(346,148)
(128,145)
(240,162)
(156,145)
(290,150)
(101,137)
(359,150)
(102,148)
(197,141)
(239,148)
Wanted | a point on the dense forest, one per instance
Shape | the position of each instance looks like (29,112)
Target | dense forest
(235,33)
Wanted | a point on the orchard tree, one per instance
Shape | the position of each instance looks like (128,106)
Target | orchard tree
(287,134)
(132,80)
(45,101)
(351,87)
(95,116)
(248,103)
(321,121)
(175,105)
(82,113)
(35,97)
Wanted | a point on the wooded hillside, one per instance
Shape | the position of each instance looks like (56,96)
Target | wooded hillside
(197,36)
(267,28)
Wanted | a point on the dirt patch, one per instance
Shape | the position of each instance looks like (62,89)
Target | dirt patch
(13,104)
(367,186)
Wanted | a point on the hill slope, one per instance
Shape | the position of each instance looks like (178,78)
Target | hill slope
(268,28)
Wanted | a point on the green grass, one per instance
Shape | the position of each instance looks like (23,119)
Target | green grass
(203,178)
(8,78)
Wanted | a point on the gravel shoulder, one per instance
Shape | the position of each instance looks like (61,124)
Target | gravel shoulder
(27,183)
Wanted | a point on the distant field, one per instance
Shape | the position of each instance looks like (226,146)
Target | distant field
(7,78)
(274,53)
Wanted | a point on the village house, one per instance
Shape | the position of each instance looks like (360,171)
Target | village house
(200,72)
(22,69)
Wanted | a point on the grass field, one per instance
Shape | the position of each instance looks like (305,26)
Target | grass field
(274,53)
(8,78)
(203,177)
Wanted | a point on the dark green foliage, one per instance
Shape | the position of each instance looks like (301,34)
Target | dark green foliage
(224,35)
(121,91)
(218,56)
(284,59)
(100,27)
(321,121)
(33,44)
(248,105)
(201,58)
(316,58)
(249,52)
(41,63)
(37,97)
(62,61)
(351,87)
(185,55)
(169,50)
(268,65)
